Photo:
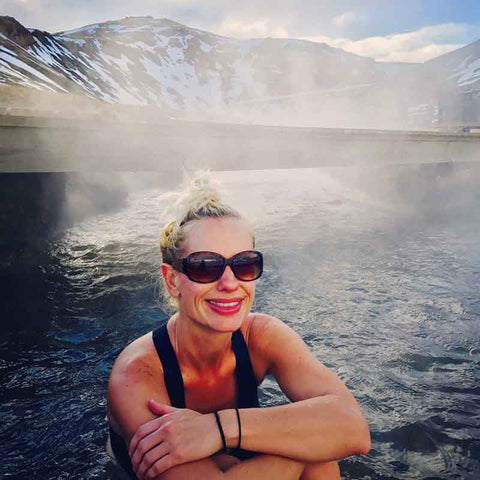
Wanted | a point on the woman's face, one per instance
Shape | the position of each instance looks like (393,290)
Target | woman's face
(224,304)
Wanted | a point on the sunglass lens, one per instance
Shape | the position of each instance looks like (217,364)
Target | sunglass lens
(204,267)
(248,266)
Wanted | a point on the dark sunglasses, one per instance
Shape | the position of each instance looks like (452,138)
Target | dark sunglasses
(207,267)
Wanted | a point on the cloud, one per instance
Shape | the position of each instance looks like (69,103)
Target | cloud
(418,46)
(248,29)
(265,17)
(341,21)
(419,55)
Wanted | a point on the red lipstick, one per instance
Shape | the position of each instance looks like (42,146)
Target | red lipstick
(225,306)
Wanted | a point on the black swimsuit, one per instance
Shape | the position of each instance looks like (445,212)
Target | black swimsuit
(247,395)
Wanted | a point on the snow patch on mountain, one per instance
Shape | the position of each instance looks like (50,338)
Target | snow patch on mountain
(468,72)
(8,60)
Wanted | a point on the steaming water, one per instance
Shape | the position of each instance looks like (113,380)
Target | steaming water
(384,297)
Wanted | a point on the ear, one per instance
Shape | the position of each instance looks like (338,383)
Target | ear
(171,279)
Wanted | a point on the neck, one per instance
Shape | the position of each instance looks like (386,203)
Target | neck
(198,346)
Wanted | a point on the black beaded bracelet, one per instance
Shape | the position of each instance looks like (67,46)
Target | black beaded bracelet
(220,429)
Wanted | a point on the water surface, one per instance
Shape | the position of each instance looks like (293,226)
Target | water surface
(379,279)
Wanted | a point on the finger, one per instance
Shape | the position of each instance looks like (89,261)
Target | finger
(160,408)
(149,460)
(142,431)
(160,466)
(145,445)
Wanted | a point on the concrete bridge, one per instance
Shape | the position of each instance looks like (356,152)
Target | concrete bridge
(48,144)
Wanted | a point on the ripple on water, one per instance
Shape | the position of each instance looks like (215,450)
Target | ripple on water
(71,356)
(424,362)
(80,336)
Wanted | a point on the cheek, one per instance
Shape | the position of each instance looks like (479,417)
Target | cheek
(190,291)
(250,289)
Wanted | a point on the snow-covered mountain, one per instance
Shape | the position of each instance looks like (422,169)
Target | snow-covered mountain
(460,67)
(147,61)
(150,61)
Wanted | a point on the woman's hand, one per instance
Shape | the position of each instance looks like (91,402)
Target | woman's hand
(177,436)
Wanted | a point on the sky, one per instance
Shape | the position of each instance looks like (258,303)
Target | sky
(387,30)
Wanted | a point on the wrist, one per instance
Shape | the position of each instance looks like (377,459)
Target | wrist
(216,439)
(230,427)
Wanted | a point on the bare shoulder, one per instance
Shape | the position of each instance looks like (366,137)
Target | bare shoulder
(136,377)
(268,338)
(265,331)
(137,357)
(285,355)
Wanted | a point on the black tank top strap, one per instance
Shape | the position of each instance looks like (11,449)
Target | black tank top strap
(171,369)
(247,387)
(247,394)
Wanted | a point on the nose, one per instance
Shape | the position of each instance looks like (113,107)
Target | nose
(228,281)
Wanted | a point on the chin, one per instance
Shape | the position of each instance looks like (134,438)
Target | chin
(226,323)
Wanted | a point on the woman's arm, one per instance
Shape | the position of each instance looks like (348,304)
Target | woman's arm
(323,423)
(266,467)
(170,443)
(133,381)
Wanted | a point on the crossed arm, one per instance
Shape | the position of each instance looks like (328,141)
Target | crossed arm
(323,423)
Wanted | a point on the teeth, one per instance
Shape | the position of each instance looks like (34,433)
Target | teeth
(222,304)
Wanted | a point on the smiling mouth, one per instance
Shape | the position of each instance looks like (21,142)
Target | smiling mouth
(224,304)
(225,307)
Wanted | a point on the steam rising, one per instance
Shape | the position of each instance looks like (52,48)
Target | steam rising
(295,87)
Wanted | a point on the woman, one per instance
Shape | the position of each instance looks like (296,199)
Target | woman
(183,399)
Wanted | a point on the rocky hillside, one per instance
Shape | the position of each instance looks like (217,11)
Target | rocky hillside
(150,61)
(147,61)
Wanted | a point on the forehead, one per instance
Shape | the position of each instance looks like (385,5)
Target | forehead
(226,236)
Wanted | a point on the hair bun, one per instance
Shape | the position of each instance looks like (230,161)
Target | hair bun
(196,194)
(199,197)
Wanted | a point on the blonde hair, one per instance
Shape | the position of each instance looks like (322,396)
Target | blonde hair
(198,198)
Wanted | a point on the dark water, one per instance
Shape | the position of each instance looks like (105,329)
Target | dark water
(378,271)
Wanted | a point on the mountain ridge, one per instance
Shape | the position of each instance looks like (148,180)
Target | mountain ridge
(159,62)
